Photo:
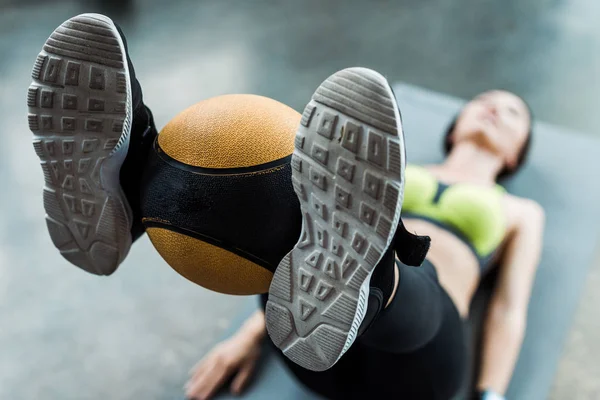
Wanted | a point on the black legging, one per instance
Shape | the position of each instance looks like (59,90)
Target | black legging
(416,349)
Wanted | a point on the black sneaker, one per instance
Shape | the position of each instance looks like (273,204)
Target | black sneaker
(90,131)
(348,173)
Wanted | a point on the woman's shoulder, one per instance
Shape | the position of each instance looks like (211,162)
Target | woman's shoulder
(521,202)
(522,207)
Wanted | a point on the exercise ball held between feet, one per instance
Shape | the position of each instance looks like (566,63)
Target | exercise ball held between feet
(218,202)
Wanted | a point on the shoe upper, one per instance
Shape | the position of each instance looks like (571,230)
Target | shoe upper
(143,134)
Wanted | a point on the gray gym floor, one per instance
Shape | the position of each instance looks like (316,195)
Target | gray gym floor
(67,335)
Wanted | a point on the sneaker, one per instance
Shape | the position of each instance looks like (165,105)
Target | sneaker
(348,173)
(88,119)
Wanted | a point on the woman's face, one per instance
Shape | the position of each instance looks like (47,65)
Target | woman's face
(497,121)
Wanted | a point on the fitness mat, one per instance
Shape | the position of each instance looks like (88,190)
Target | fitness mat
(557,175)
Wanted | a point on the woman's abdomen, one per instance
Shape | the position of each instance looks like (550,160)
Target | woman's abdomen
(456,265)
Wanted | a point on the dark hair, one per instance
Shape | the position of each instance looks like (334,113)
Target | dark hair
(506,172)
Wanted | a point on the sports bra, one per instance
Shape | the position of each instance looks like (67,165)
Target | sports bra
(473,213)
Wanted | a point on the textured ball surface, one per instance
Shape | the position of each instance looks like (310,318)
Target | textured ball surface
(217,198)
(231,131)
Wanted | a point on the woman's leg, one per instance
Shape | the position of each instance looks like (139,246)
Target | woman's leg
(414,314)
(347,170)
(419,341)
(415,348)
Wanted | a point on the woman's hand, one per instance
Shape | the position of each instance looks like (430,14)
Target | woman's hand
(235,357)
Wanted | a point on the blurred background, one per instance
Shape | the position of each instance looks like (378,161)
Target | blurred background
(67,335)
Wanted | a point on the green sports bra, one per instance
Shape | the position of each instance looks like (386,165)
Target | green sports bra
(474,213)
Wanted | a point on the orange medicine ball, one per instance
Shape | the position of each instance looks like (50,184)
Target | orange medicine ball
(217,197)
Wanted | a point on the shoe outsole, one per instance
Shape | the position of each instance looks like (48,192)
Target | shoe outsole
(348,173)
(80,115)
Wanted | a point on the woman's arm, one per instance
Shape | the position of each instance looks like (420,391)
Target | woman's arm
(507,313)
(235,356)
(255,326)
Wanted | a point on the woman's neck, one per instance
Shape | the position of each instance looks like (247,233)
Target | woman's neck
(472,164)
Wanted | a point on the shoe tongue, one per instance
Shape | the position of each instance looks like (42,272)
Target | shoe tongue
(410,248)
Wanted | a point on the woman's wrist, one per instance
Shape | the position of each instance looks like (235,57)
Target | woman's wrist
(254,329)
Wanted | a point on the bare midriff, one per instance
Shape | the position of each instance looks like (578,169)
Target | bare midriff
(456,265)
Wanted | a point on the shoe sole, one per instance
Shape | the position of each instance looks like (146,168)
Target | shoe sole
(348,173)
(80,114)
